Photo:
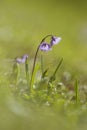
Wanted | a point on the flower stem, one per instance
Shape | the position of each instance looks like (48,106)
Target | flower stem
(42,64)
(36,58)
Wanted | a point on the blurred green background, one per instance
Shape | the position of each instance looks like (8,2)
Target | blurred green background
(23,23)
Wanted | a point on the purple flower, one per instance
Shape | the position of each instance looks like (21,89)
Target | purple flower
(25,56)
(45,46)
(22,59)
(55,40)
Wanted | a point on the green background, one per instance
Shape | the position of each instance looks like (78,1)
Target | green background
(23,23)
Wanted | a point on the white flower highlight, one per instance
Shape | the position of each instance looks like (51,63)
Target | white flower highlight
(55,40)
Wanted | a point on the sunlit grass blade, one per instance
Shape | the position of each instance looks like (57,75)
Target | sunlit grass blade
(33,76)
(52,78)
(42,64)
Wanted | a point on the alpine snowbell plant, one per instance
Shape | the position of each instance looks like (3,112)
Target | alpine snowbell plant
(44,46)
(16,68)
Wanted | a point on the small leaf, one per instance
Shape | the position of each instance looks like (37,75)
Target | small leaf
(45,73)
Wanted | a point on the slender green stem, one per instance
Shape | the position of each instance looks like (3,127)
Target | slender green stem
(34,65)
(36,58)
(27,71)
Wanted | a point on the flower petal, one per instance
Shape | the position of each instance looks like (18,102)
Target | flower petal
(45,46)
(19,60)
(25,56)
(22,59)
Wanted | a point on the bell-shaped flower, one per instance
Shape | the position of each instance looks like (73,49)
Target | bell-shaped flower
(45,46)
(55,40)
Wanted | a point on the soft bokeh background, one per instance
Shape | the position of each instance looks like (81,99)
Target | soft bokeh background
(23,23)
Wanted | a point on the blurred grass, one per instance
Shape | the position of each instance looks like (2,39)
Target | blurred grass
(23,23)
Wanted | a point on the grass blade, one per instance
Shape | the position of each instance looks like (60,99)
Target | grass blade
(52,78)
(42,64)
(33,76)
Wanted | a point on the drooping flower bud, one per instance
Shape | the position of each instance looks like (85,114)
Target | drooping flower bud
(55,40)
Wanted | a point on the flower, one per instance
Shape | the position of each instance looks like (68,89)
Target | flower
(55,40)
(25,56)
(22,59)
(45,46)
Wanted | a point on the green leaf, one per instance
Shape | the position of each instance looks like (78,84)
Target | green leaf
(45,73)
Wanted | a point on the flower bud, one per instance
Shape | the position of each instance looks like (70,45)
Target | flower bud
(55,40)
